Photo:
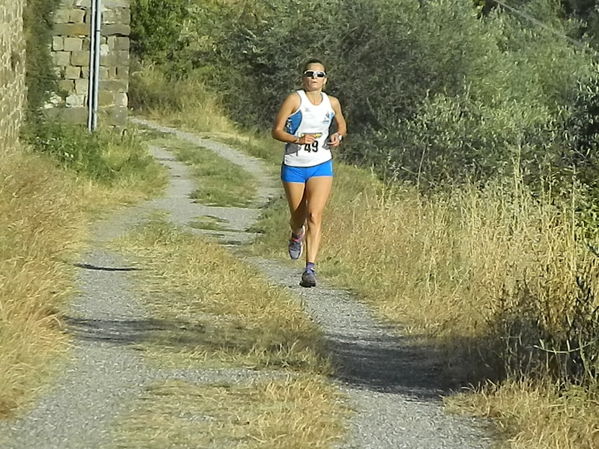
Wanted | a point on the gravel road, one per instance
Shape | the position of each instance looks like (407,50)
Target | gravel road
(392,385)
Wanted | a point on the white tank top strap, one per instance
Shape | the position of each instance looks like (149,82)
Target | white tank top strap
(327,100)
(303,96)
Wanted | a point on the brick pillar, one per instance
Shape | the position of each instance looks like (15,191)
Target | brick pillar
(12,71)
(71,49)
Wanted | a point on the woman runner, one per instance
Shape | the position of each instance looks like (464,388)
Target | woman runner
(303,123)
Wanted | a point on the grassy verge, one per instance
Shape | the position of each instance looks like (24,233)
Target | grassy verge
(222,183)
(536,414)
(215,312)
(39,227)
(181,103)
(44,211)
(116,161)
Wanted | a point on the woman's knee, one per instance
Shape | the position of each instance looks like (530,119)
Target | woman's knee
(314,217)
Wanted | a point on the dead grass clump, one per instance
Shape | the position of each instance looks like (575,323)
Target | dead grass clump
(286,414)
(536,415)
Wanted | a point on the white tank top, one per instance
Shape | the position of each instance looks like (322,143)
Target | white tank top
(309,119)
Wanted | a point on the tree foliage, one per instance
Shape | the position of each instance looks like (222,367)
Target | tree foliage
(156,28)
(434,92)
(40,77)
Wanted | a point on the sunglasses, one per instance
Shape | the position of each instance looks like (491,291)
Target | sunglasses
(314,74)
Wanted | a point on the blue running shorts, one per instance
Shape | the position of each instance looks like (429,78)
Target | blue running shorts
(302,174)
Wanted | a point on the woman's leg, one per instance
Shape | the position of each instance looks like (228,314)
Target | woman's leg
(297,205)
(318,190)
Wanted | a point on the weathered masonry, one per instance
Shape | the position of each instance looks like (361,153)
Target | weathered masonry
(71,51)
(12,71)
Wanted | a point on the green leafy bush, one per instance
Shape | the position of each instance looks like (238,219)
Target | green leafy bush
(582,129)
(72,147)
(106,156)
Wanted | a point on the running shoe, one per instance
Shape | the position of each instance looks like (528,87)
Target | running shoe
(308,278)
(296,245)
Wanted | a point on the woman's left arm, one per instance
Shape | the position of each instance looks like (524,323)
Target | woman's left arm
(340,121)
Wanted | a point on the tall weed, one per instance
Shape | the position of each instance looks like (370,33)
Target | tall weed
(41,226)
(505,275)
(502,280)
(187,102)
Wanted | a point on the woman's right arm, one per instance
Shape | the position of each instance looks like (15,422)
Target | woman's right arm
(289,106)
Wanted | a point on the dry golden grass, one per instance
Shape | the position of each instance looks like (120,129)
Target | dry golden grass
(536,414)
(464,255)
(295,413)
(484,275)
(183,103)
(44,213)
(451,265)
(41,227)
(216,310)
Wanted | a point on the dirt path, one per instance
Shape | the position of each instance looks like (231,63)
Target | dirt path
(391,385)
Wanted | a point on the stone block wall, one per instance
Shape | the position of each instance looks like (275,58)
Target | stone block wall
(71,52)
(12,71)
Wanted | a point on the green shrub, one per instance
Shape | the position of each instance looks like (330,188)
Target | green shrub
(582,129)
(105,156)
(72,147)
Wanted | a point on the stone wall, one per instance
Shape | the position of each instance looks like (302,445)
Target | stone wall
(12,71)
(71,51)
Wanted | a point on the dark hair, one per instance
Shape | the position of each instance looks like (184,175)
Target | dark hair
(313,61)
